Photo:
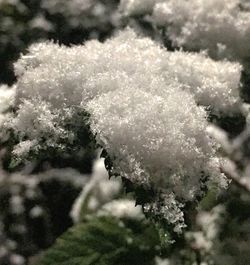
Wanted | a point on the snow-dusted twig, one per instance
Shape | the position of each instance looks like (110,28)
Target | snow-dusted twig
(230,171)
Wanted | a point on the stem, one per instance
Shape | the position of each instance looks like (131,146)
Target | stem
(235,177)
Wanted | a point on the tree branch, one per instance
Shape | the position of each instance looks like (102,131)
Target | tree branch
(239,181)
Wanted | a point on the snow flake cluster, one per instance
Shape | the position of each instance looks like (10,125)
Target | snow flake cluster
(147,107)
(71,76)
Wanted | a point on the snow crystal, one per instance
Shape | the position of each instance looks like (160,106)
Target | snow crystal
(146,107)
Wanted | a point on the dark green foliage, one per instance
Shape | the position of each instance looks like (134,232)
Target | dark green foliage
(105,241)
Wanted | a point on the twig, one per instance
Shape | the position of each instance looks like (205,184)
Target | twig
(241,182)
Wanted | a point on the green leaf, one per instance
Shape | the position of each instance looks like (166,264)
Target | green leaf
(105,241)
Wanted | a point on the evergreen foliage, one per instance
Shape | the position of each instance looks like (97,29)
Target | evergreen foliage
(105,241)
